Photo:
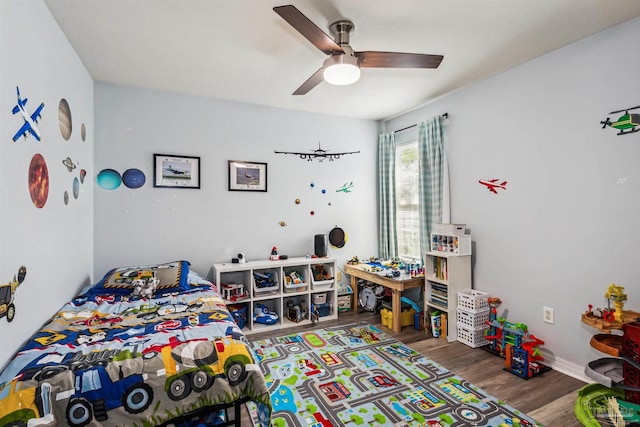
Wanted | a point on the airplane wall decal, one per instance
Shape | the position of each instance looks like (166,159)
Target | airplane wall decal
(345,188)
(30,121)
(492,184)
(319,154)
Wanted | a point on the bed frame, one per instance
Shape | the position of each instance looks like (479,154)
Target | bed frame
(233,417)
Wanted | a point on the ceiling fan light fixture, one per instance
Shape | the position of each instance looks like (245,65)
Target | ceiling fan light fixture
(341,70)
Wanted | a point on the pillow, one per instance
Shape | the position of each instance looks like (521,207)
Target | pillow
(172,277)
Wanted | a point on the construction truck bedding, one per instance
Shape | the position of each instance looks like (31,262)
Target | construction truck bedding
(144,346)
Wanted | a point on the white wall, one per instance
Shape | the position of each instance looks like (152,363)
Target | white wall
(212,224)
(567,225)
(54,242)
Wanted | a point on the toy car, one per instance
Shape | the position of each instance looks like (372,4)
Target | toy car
(261,314)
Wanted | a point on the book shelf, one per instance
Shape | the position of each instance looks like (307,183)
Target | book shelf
(445,275)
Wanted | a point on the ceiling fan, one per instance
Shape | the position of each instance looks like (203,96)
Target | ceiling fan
(343,65)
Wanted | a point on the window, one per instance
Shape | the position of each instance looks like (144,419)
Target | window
(407,200)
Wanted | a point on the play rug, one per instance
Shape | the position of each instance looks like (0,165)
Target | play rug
(357,375)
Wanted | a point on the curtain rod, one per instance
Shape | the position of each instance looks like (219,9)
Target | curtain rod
(444,116)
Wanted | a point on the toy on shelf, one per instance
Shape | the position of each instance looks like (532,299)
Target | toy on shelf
(515,344)
(261,314)
(233,291)
(606,319)
(616,294)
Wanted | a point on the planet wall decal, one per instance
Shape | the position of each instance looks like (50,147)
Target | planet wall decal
(66,197)
(76,188)
(64,119)
(109,179)
(83,132)
(133,178)
(83,173)
(38,181)
(69,164)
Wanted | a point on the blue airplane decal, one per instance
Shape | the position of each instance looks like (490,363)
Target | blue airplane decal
(30,121)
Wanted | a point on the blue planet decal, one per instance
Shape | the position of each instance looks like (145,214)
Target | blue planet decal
(109,179)
(133,178)
(76,188)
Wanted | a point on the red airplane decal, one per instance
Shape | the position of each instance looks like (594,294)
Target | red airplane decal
(493,184)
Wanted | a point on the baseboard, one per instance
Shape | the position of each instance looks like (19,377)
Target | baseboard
(566,367)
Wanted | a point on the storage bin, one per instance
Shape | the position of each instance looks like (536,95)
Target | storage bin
(294,281)
(321,277)
(323,309)
(473,320)
(294,286)
(456,229)
(319,298)
(265,281)
(451,244)
(473,301)
(472,337)
(239,314)
(406,317)
(344,302)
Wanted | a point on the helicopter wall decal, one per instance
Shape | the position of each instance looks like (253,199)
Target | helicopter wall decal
(319,154)
(627,123)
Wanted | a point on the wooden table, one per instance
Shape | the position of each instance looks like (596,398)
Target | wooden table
(396,284)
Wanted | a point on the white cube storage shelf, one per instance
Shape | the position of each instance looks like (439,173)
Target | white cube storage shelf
(286,290)
(451,243)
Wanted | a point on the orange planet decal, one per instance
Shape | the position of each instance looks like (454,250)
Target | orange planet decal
(38,181)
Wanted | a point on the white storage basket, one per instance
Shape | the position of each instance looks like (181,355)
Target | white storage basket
(472,337)
(472,300)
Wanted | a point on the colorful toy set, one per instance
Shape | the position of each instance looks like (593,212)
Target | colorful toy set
(515,344)
(618,377)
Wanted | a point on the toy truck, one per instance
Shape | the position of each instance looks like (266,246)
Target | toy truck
(28,406)
(7,294)
(96,394)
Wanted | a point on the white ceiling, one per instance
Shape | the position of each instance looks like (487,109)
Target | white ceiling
(240,50)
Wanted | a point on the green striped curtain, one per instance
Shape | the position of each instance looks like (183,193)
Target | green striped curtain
(432,174)
(387,242)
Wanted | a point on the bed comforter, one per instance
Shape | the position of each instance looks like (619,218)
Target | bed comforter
(111,358)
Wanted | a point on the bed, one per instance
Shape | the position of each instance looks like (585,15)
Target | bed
(145,346)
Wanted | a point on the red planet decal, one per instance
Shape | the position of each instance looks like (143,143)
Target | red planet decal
(38,181)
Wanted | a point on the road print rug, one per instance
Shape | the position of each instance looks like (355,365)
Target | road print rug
(357,375)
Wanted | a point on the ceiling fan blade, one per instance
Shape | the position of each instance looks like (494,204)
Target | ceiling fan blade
(371,59)
(311,31)
(313,81)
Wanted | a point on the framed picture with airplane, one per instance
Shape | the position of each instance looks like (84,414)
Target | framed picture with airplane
(247,176)
(174,171)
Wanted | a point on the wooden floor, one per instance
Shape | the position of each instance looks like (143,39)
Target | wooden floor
(548,398)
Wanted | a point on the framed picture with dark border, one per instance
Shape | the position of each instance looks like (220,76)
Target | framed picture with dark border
(173,171)
(247,176)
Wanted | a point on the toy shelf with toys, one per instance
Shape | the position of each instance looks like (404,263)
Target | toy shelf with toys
(273,294)
(479,326)
(447,270)
(618,374)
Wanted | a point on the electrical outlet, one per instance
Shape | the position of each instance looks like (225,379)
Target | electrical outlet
(547,315)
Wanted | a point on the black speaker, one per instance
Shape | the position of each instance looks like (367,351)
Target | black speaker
(320,245)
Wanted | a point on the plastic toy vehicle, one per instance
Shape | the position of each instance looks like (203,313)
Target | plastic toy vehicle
(261,314)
